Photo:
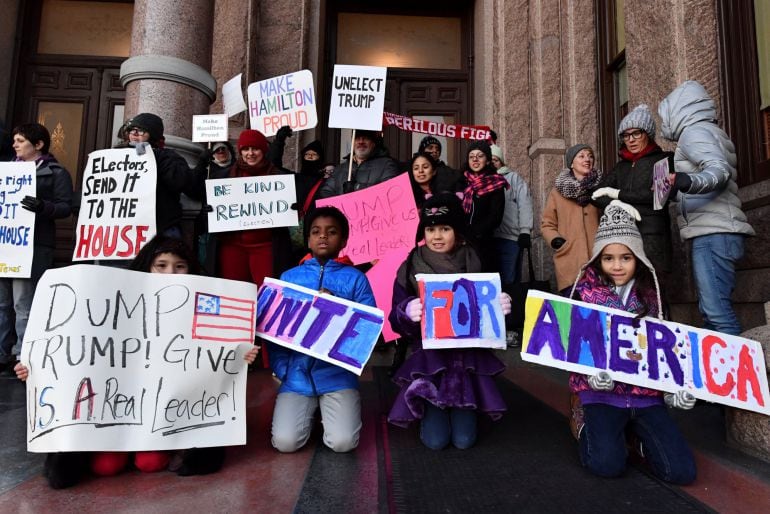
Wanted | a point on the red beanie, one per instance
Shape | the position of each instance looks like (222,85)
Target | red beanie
(253,138)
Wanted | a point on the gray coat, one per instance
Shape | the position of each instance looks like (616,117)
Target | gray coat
(518,216)
(379,168)
(711,204)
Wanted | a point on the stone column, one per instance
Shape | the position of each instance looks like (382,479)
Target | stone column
(168,70)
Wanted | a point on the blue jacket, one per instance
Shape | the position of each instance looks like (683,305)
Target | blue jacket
(300,373)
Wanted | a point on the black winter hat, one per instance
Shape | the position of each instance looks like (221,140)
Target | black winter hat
(482,146)
(152,123)
(429,140)
(442,209)
(317,147)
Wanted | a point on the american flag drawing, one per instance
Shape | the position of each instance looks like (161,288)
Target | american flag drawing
(223,318)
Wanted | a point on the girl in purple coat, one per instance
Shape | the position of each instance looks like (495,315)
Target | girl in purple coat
(619,275)
(444,389)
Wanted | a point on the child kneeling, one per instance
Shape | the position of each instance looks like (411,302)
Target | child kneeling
(602,409)
(306,382)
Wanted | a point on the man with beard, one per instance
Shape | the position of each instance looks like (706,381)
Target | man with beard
(371,165)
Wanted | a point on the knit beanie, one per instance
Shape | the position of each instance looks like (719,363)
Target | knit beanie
(482,146)
(315,146)
(253,138)
(429,140)
(152,123)
(497,152)
(442,209)
(639,118)
(572,153)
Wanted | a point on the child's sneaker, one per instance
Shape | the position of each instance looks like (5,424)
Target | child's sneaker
(577,420)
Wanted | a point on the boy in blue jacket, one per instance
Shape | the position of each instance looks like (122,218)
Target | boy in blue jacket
(306,382)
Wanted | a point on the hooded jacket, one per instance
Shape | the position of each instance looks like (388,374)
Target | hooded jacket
(377,168)
(518,215)
(705,152)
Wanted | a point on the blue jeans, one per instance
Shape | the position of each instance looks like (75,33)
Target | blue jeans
(603,442)
(439,426)
(15,302)
(508,260)
(713,264)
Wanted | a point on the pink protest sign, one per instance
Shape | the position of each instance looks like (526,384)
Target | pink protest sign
(381,278)
(383,219)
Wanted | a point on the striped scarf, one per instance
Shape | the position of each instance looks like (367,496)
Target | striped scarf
(481,184)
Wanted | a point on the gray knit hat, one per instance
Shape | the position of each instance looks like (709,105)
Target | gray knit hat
(639,118)
(617,225)
(497,152)
(573,151)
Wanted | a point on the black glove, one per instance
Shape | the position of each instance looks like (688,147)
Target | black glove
(33,204)
(525,241)
(348,186)
(682,182)
(283,133)
(207,208)
(206,155)
(557,242)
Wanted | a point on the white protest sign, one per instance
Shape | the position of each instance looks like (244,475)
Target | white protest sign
(17,225)
(209,128)
(117,210)
(246,203)
(323,326)
(126,361)
(660,185)
(649,352)
(284,100)
(461,310)
(232,96)
(358,97)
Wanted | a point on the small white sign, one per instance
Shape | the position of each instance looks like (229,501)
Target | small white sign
(232,96)
(247,203)
(209,128)
(17,229)
(358,97)
(284,100)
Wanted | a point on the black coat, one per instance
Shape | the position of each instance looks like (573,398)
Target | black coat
(54,188)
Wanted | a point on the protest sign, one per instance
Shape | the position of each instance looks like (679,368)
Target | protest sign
(660,185)
(117,210)
(126,361)
(17,225)
(381,277)
(283,100)
(382,218)
(329,328)
(209,128)
(435,128)
(246,203)
(461,310)
(648,352)
(232,96)
(358,97)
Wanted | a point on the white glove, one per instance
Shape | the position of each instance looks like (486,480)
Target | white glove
(630,209)
(414,310)
(141,148)
(679,400)
(602,381)
(606,191)
(505,303)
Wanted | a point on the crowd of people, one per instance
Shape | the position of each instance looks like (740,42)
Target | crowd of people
(610,245)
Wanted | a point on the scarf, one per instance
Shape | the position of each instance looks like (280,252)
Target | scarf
(480,184)
(424,260)
(633,157)
(568,185)
(241,169)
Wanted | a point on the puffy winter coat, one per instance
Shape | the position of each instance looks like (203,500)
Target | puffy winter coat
(378,168)
(711,204)
(300,373)
(517,216)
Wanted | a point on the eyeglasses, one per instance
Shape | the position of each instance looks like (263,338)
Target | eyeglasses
(136,131)
(636,134)
(476,156)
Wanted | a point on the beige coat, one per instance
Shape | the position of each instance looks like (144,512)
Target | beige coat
(577,225)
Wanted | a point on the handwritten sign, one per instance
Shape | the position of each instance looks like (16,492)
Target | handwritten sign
(662,355)
(117,210)
(380,277)
(232,97)
(382,218)
(125,361)
(283,100)
(660,184)
(461,311)
(209,128)
(435,128)
(251,202)
(358,97)
(329,328)
(17,225)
